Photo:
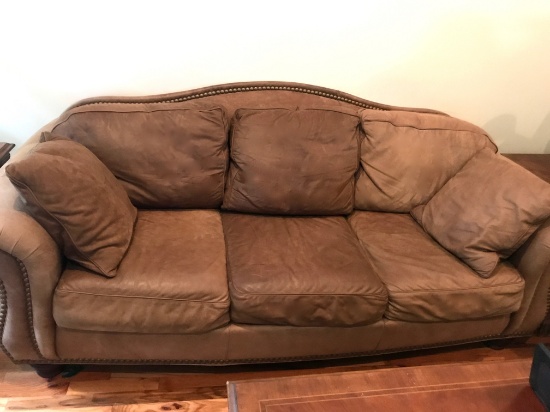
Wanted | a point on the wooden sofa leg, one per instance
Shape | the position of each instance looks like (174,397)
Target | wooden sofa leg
(51,371)
(48,371)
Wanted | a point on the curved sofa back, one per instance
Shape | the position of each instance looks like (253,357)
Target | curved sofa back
(188,149)
(253,94)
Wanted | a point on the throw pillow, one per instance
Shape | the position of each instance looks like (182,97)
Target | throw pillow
(78,201)
(487,211)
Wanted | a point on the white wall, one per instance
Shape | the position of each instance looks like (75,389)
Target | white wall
(481,60)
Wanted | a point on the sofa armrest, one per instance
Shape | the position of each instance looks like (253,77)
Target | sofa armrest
(533,262)
(30,267)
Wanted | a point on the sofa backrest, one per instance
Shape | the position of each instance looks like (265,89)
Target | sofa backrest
(252,95)
(406,157)
(165,155)
(174,150)
(293,161)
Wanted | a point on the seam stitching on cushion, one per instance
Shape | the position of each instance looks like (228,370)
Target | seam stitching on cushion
(298,108)
(138,297)
(372,296)
(517,283)
(167,109)
(135,111)
(428,128)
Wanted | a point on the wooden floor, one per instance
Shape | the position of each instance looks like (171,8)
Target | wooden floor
(198,388)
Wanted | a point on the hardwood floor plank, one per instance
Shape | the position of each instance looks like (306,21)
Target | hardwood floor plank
(78,402)
(112,386)
(86,376)
(190,394)
(211,405)
(159,388)
(17,384)
(7,365)
(58,403)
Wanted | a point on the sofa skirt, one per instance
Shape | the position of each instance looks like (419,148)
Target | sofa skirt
(239,344)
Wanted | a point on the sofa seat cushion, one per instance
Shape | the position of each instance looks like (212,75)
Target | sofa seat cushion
(172,280)
(425,282)
(300,271)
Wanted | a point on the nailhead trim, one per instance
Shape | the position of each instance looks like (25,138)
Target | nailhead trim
(3,316)
(222,362)
(30,320)
(547,316)
(28,306)
(247,89)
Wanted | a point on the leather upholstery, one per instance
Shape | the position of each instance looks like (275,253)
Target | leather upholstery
(165,156)
(22,238)
(291,342)
(407,157)
(40,261)
(84,346)
(261,94)
(231,344)
(425,282)
(18,334)
(57,180)
(486,211)
(238,343)
(400,335)
(172,280)
(301,271)
(296,162)
(533,262)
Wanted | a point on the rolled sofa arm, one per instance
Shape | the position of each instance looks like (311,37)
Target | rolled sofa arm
(533,262)
(30,267)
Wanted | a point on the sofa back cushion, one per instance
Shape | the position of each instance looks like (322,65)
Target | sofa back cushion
(407,157)
(292,161)
(164,155)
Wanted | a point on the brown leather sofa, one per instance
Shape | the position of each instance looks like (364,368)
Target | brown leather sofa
(268,222)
